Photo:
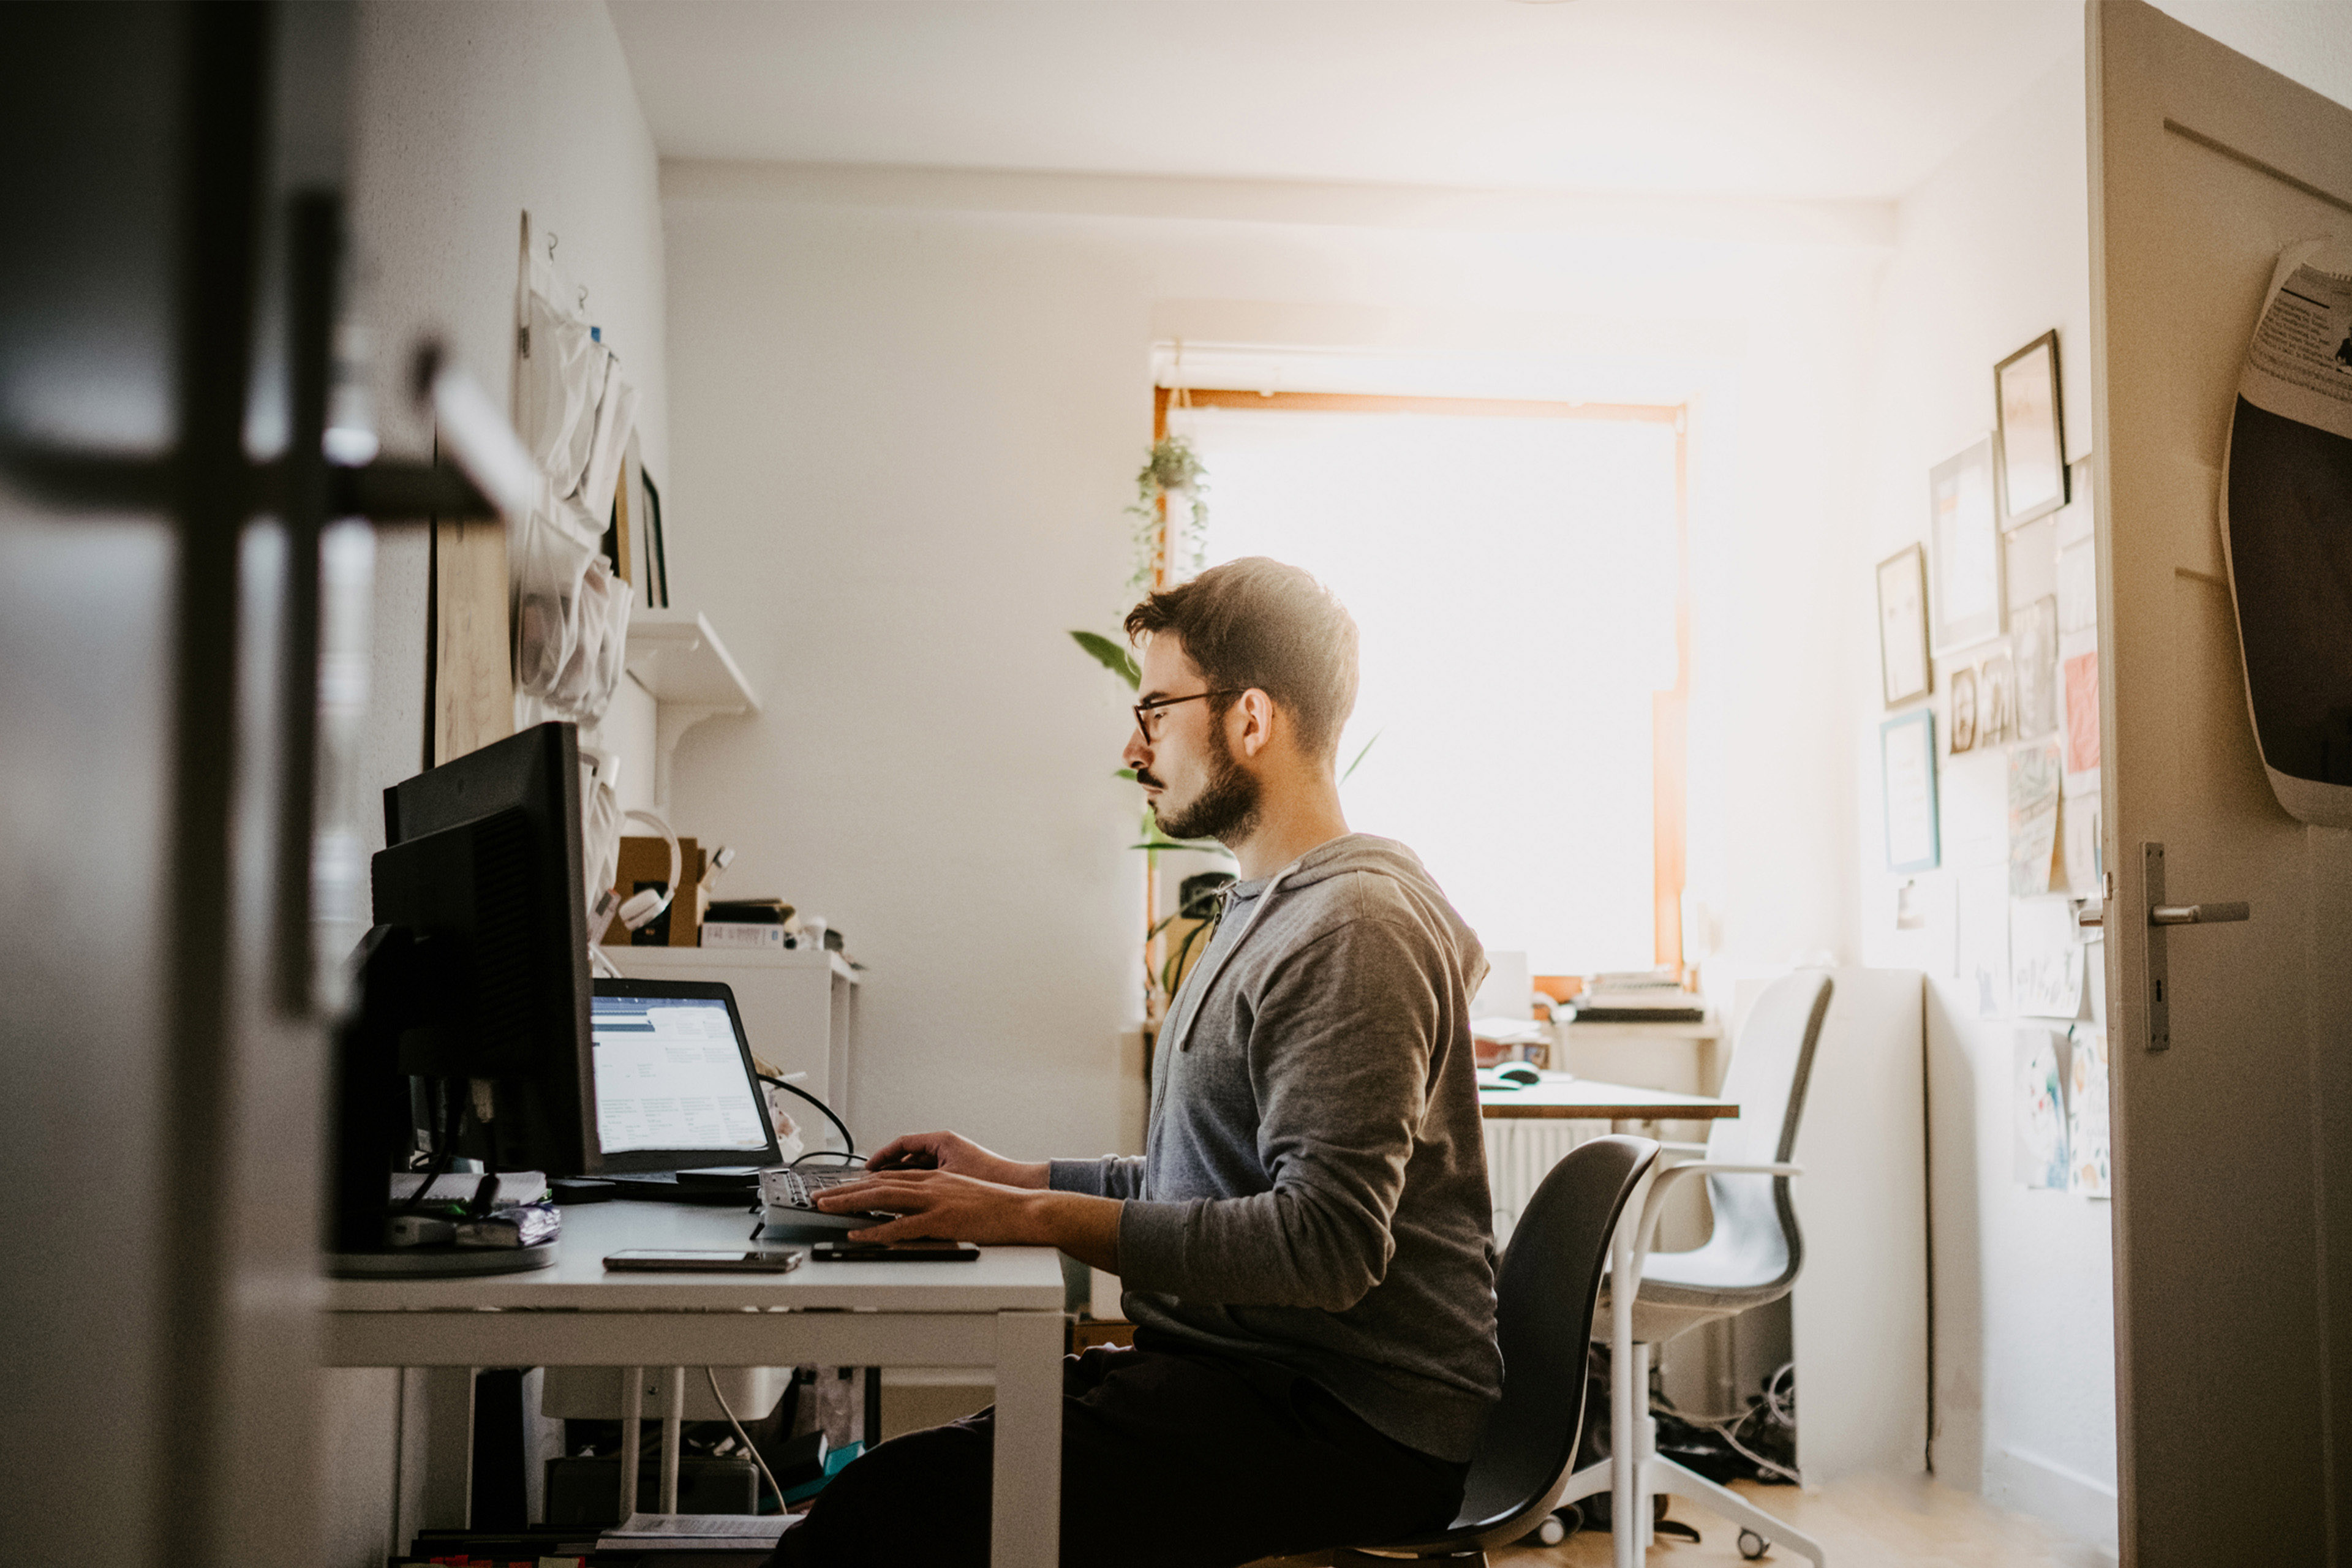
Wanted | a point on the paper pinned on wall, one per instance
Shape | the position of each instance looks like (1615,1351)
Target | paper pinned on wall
(2078,588)
(2078,684)
(1925,905)
(2078,831)
(2086,1113)
(2041,1110)
(2033,779)
(2033,644)
(2045,961)
(1983,900)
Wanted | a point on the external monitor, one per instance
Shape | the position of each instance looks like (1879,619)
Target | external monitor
(474,982)
(517,898)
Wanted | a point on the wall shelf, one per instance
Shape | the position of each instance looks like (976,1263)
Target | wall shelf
(686,668)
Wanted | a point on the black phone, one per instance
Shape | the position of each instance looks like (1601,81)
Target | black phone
(901,1252)
(660,1260)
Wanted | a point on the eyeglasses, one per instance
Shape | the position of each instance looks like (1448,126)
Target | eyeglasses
(1147,713)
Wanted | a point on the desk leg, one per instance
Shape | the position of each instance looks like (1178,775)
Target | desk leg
(673,1438)
(632,1411)
(448,1501)
(1025,1529)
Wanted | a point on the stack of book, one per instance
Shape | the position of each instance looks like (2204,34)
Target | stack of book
(747,922)
(1643,997)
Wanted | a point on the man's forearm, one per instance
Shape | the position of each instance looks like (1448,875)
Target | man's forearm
(1086,1227)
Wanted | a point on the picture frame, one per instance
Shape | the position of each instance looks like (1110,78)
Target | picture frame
(1904,670)
(2031,425)
(1997,701)
(1969,592)
(1963,731)
(1907,755)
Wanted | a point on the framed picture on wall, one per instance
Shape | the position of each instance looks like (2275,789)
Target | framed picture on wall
(2032,431)
(1964,536)
(1903,626)
(1906,756)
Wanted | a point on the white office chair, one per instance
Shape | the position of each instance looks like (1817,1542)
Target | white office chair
(1751,1258)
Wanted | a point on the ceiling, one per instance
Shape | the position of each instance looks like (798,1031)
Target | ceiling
(1790,99)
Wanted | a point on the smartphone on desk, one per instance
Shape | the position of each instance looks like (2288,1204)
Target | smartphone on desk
(661,1261)
(899,1252)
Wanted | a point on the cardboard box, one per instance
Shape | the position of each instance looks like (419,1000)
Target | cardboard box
(645,863)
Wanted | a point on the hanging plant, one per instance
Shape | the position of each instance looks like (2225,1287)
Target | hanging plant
(1172,489)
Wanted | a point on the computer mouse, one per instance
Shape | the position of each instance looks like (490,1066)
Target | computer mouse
(1521,1075)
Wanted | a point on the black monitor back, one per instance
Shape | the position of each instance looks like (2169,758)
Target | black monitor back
(514,875)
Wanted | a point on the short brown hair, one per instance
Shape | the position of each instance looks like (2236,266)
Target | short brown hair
(1257,622)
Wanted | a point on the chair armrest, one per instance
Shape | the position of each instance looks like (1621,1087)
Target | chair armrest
(1672,1148)
(1653,1206)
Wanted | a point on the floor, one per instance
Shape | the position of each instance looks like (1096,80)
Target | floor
(1867,1522)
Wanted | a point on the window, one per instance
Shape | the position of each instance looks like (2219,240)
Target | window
(1517,573)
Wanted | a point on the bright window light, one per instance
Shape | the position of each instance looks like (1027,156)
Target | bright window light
(1513,579)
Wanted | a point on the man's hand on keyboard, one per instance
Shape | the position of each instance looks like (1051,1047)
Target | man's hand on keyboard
(957,1155)
(948,1206)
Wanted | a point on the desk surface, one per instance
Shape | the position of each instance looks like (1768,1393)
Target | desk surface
(1006,1279)
(1562,1096)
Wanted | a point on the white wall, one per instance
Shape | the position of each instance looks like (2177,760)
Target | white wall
(1993,249)
(908,415)
(467,112)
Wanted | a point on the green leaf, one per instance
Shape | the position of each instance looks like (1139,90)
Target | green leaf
(1127,773)
(1111,656)
(1362,755)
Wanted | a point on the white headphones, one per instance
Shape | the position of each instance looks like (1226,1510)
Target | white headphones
(640,910)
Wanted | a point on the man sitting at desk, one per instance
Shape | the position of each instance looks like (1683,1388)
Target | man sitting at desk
(1306,1246)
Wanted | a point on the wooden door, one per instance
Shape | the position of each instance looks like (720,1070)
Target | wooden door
(2231,1234)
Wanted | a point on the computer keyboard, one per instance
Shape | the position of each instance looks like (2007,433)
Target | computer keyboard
(788,1198)
(796,1188)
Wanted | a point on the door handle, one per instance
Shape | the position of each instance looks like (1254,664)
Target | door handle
(2197,914)
(2161,915)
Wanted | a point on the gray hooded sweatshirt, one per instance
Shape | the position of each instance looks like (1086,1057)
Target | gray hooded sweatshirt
(1314,1187)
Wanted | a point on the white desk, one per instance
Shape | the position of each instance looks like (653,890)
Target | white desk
(1006,1311)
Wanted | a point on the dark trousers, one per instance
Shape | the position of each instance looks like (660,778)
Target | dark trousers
(1169,1457)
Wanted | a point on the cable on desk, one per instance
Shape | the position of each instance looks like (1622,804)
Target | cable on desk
(821,1105)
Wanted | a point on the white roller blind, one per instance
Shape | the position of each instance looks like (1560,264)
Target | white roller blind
(1514,583)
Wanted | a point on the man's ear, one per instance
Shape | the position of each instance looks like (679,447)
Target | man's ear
(1257,721)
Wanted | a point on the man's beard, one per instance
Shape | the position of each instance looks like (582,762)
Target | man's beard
(1226,805)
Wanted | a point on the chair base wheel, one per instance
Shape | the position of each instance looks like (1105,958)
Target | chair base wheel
(1752,1545)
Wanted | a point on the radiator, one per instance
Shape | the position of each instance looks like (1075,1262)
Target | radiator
(1520,1152)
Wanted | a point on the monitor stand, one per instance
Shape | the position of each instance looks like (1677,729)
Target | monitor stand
(440,1262)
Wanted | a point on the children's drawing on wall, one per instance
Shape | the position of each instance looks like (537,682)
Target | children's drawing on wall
(2078,822)
(2086,1112)
(2041,1110)
(2045,961)
(2033,779)
(2034,646)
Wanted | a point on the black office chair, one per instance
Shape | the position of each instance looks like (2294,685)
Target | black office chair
(1543,1305)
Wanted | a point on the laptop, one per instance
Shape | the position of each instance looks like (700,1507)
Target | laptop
(679,1112)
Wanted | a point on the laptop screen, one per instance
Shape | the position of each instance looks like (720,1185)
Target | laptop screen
(671,1076)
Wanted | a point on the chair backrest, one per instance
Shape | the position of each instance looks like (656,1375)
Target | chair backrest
(1772,1067)
(1544,1303)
